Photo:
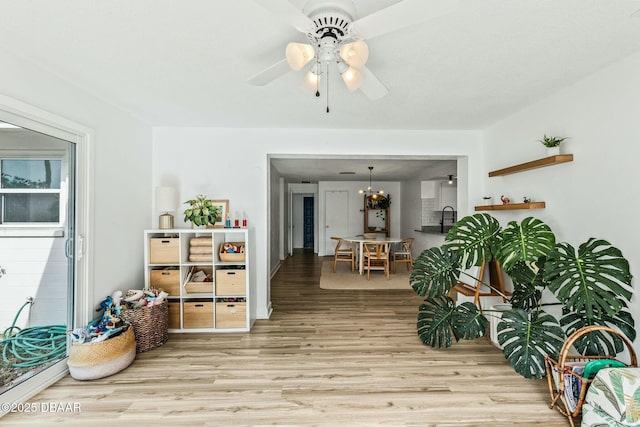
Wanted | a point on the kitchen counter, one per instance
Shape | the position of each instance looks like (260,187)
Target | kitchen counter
(434,229)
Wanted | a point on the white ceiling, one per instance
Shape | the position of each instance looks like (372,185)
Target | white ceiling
(384,169)
(186,62)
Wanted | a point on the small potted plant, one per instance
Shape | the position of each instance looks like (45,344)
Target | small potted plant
(201,212)
(552,143)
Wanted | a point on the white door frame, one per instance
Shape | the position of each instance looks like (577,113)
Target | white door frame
(29,117)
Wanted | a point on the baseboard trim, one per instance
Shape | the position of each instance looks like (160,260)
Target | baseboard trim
(275,269)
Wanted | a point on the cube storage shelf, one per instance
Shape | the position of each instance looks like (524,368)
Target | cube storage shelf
(220,304)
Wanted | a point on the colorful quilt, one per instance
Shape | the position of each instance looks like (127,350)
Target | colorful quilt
(613,399)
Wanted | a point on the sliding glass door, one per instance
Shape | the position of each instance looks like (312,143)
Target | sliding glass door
(37,252)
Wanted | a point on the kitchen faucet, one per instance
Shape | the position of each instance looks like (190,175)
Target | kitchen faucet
(453,217)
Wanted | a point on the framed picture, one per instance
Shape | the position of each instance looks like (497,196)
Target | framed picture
(223,213)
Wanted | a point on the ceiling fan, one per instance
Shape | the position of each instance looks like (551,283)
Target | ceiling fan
(337,39)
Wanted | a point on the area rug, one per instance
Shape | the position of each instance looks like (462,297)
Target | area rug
(343,278)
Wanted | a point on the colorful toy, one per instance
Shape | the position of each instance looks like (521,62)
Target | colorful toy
(109,324)
(231,249)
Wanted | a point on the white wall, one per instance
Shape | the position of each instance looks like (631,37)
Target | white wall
(411,211)
(275,218)
(233,164)
(355,221)
(595,195)
(121,187)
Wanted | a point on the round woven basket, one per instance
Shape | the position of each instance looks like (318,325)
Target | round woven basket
(93,360)
(150,325)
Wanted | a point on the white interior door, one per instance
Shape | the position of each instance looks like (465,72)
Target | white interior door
(336,218)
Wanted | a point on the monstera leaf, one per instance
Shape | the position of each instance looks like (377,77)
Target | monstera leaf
(525,242)
(474,239)
(440,322)
(435,273)
(527,339)
(594,281)
(434,322)
(527,286)
(598,342)
(468,322)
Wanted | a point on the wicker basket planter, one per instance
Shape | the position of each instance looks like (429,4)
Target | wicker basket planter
(93,360)
(149,324)
(557,370)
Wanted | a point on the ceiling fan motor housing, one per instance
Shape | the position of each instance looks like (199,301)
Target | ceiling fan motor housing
(332,21)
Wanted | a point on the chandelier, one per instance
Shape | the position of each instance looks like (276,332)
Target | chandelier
(370,191)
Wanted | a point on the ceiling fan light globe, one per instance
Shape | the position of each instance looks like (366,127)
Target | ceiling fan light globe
(299,54)
(355,54)
(312,80)
(352,78)
(311,77)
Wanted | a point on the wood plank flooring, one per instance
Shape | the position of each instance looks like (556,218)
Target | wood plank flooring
(324,358)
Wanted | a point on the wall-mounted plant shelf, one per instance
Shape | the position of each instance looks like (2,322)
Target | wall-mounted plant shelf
(512,206)
(540,163)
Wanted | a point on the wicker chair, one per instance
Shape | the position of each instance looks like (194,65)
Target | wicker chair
(343,253)
(404,254)
(376,257)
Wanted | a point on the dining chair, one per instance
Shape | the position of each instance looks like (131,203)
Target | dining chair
(343,253)
(404,254)
(376,257)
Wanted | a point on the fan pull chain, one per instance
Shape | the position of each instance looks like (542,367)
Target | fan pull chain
(317,78)
(327,88)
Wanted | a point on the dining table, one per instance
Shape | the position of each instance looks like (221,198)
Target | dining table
(361,240)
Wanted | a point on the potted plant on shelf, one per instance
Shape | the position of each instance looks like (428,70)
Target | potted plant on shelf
(592,284)
(552,143)
(201,212)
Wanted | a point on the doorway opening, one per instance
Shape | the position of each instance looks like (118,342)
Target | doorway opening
(303,220)
(307,215)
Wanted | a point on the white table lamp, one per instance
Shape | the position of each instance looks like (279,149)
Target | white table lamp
(166,201)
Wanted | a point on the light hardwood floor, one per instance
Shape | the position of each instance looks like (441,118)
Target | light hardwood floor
(349,358)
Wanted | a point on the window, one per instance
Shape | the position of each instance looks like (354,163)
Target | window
(31,192)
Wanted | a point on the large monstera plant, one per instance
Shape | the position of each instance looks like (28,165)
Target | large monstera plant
(592,283)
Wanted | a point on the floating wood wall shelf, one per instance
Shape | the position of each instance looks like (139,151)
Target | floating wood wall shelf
(512,206)
(540,163)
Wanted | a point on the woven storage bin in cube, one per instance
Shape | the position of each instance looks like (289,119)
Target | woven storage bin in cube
(231,315)
(93,360)
(150,325)
(232,257)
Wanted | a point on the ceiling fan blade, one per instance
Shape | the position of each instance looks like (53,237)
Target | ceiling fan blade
(285,10)
(276,70)
(401,15)
(371,86)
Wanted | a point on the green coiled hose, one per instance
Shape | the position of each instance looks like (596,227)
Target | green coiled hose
(33,346)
